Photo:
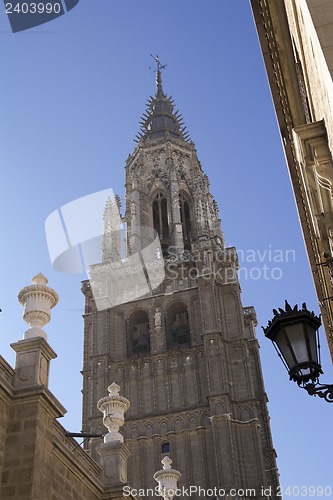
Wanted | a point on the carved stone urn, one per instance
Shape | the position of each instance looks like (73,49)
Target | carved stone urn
(113,408)
(37,300)
(167,479)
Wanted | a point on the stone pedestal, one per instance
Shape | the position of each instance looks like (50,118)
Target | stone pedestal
(33,358)
(114,463)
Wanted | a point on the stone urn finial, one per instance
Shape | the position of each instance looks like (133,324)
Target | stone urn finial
(167,479)
(113,408)
(37,300)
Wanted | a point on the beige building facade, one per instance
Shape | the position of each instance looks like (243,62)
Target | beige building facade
(38,459)
(296,38)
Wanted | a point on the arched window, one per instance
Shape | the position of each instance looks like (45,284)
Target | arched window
(160,216)
(165,448)
(138,329)
(185,219)
(178,331)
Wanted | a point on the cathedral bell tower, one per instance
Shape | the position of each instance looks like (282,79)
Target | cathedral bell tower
(165,186)
(184,352)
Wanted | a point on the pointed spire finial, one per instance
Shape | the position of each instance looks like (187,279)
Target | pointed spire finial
(161,120)
(158,78)
(159,67)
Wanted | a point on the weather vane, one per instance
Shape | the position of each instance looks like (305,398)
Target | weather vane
(159,66)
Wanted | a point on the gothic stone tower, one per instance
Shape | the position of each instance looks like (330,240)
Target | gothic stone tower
(185,352)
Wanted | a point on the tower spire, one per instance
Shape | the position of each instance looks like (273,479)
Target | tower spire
(160,118)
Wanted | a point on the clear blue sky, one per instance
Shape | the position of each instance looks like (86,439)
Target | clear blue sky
(72,93)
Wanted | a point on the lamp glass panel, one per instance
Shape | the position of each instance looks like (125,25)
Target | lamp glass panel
(313,342)
(296,336)
(281,342)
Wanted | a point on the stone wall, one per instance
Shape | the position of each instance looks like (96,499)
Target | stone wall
(322,16)
(6,374)
(37,459)
(311,29)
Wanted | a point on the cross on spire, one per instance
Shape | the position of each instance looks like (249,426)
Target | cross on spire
(159,65)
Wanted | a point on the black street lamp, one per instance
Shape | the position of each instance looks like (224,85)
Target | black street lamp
(294,334)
